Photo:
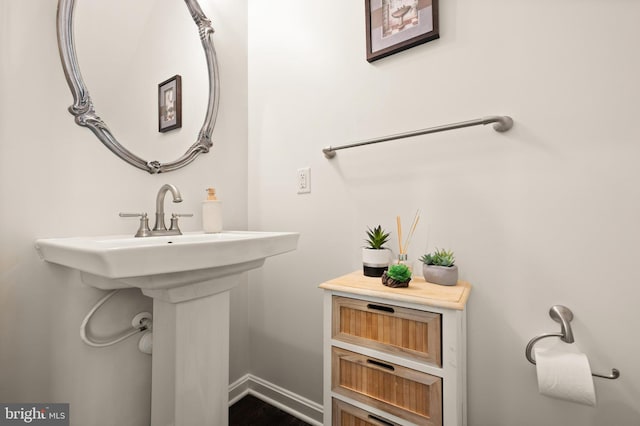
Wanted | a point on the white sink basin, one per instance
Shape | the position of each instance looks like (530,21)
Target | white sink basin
(112,262)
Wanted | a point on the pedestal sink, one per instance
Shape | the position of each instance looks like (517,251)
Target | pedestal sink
(189,277)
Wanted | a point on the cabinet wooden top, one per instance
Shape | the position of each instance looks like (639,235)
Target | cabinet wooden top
(419,291)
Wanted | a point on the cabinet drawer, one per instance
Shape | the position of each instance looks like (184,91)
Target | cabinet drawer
(392,329)
(403,392)
(347,415)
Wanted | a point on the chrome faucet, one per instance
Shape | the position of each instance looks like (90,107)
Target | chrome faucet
(160,228)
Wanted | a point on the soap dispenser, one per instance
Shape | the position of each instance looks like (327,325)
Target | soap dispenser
(211,213)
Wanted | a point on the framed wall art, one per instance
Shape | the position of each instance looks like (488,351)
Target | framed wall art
(396,25)
(170,104)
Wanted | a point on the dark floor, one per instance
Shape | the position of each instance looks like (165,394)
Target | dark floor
(251,411)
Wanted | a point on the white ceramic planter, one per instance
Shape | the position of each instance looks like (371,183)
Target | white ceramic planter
(443,275)
(375,262)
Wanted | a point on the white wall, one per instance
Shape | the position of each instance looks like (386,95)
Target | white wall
(541,215)
(57,180)
(545,214)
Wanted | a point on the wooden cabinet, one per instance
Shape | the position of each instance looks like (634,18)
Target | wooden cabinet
(394,356)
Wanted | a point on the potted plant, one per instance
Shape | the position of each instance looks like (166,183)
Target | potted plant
(439,267)
(397,275)
(375,257)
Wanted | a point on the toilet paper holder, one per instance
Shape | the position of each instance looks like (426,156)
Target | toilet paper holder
(564,316)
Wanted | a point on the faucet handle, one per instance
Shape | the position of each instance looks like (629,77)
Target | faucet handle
(143,229)
(132,214)
(174,221)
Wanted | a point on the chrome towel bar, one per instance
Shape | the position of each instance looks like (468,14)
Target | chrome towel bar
(564,316)
(502,124)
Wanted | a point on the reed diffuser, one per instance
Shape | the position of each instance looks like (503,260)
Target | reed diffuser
(403,258)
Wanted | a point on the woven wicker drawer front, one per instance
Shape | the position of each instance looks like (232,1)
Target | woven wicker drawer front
(392,329)
(403,392)
(347,415)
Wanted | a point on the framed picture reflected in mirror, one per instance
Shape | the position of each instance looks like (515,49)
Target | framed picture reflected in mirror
(170,104)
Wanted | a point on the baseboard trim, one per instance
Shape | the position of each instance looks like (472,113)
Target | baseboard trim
(287,401)
(239,389)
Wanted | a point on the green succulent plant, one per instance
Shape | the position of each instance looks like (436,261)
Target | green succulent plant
(399,272)
(377,237)
(439,258)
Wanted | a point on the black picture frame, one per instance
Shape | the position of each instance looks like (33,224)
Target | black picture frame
(170,104)
(396,25)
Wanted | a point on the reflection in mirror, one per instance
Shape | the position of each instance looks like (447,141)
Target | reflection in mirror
(126,49)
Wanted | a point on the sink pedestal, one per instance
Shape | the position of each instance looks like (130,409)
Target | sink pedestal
(189,277)
(190,364)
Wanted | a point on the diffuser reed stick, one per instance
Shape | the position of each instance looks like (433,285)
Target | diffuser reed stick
(416,218)
(399,224)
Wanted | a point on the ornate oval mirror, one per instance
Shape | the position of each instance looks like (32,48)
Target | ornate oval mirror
(85,114)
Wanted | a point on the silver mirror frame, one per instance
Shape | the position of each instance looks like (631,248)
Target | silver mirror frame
(85,114)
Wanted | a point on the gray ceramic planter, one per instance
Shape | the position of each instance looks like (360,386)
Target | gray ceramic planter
(443,275)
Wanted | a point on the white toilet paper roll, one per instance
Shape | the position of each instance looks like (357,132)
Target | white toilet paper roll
(564,372)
